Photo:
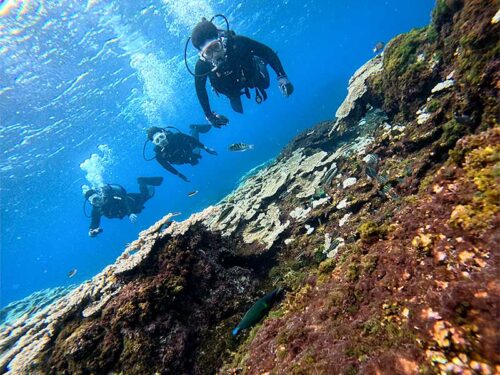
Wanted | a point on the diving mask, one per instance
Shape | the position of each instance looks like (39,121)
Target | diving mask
(96,200)
(160,139)
(213,51)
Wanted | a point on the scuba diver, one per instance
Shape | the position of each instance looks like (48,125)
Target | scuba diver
(234,64)
(113,202)
(174,147)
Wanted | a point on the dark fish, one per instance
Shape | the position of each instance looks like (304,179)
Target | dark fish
(462,119)
(192,193)
(257,311)
(240,147)
(378,47)
(371,172)
(72,273)
(319,193)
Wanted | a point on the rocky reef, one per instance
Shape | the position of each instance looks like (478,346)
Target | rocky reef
(380,225)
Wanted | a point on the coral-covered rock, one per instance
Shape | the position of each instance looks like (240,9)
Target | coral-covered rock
(382,228)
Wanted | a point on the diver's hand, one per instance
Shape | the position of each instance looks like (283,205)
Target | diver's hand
(211,151)
(217,120)
(285,86)
(184,178)
(132,218)
(95,232)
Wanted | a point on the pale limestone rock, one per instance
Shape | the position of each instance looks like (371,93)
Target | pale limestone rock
(300,213)
(423,116)
(342,204)
(328,243)
(348,182)
(339,243)
(266,228)
(344,219)
(320,202)
(309,229)
(496,18)
(443,86)
(357,86)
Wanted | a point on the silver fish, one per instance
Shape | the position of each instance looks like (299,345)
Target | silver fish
(192,193)
(240,147)
(72,273)
(378,47)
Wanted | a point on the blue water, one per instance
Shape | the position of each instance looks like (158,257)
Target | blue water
(79,74)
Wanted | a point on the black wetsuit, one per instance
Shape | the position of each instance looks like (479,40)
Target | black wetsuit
(240,70)
(118,203)
(181,149)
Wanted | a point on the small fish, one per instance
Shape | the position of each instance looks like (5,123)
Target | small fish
(462,119)
(72,273)
(192,193)
(378,47)
(371,159)
(257,311)
(371,172)
(328,177)
(389,192)
(408,171)
(240,147)
(382,179)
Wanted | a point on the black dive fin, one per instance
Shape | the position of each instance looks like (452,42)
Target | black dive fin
(200,128)
(151,181)
(236,104)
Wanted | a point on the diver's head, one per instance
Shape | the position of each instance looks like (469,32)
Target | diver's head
(95,197)
(158,136)
(205,31)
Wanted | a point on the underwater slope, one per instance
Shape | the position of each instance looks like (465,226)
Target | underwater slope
(381,226)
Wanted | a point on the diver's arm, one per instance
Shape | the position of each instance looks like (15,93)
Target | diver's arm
(94,229)
(263,52)
(96,218)
(202,69)
(165,164)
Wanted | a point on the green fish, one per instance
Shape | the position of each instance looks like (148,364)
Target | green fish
(257,311)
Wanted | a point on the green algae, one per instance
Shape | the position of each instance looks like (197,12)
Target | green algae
(482,167)
(370,230)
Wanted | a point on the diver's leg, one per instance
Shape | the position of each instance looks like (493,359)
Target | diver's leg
(196,129)
(152,181)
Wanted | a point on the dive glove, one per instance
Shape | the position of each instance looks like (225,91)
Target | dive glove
(95,232)
(285,86)
(132,218)
(217,120)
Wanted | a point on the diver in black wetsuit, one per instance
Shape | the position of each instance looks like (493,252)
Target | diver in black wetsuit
(113,202)
(175,147)
(234,64)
